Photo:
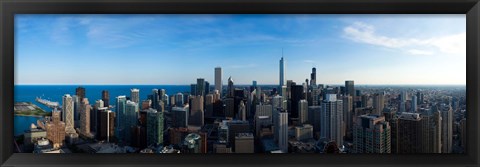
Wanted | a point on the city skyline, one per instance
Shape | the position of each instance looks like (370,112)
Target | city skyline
(339,46)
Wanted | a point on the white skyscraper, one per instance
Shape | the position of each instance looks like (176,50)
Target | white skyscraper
(67,109)
(135,95)
(218,79)
(331,119)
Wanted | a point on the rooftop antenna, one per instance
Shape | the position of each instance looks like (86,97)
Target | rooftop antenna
(282,53)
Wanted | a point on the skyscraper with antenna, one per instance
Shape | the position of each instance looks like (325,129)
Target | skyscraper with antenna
(282,72)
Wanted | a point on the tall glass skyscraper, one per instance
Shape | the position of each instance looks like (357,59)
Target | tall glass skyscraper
(130,119)
(121,108)
(218,79)
(154,127)
(282,73)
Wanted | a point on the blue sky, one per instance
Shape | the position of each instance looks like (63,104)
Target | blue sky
(177,49)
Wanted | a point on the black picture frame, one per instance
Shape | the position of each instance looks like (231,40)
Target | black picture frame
(9,8)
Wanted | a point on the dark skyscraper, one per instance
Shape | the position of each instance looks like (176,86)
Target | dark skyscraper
(230,107)
(410,133)
(350,89)
(155,99)
(313,77)
(106,125)
(193,89)
(179,117)
(80,92)
(200,87)
(297,95)
(106,98)
(207,88)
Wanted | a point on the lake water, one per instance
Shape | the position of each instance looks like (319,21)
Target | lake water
(28,93)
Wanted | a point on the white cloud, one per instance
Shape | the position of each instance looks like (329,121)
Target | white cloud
(419,52)
(454,44)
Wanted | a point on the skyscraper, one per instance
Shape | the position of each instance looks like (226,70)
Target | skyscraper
(196,111)
(135,95)
(413,105)
(409,133)
(463,133)
(94,115)
(131,118)
(282,73)
(121,117)
(314,113)
(55,130)
(231,89)
(420,98)
(378,103)
(348,115)
(106,125)
(155,98)
(350,88)
(431,131)
(154,127)
(67,109)
(179,117)
(242,111)
(264,110)
(179,100)
(404,96)
(401,107)
(313,77)
(283,131)
(76,108)
(371,135)
(303,111)
(296,96)
(80,92)
(209,105)
(207,88)
(229,107)
(447,128)
(218,79)
(162,94)
(331,119)
(85,117)
(200,87)
(106,98)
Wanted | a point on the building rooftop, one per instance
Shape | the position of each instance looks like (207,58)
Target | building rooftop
(410,116)
(244,135)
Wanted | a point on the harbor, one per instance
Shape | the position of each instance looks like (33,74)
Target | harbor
(47,103)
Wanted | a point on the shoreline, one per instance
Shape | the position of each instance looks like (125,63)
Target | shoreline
(29,115)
